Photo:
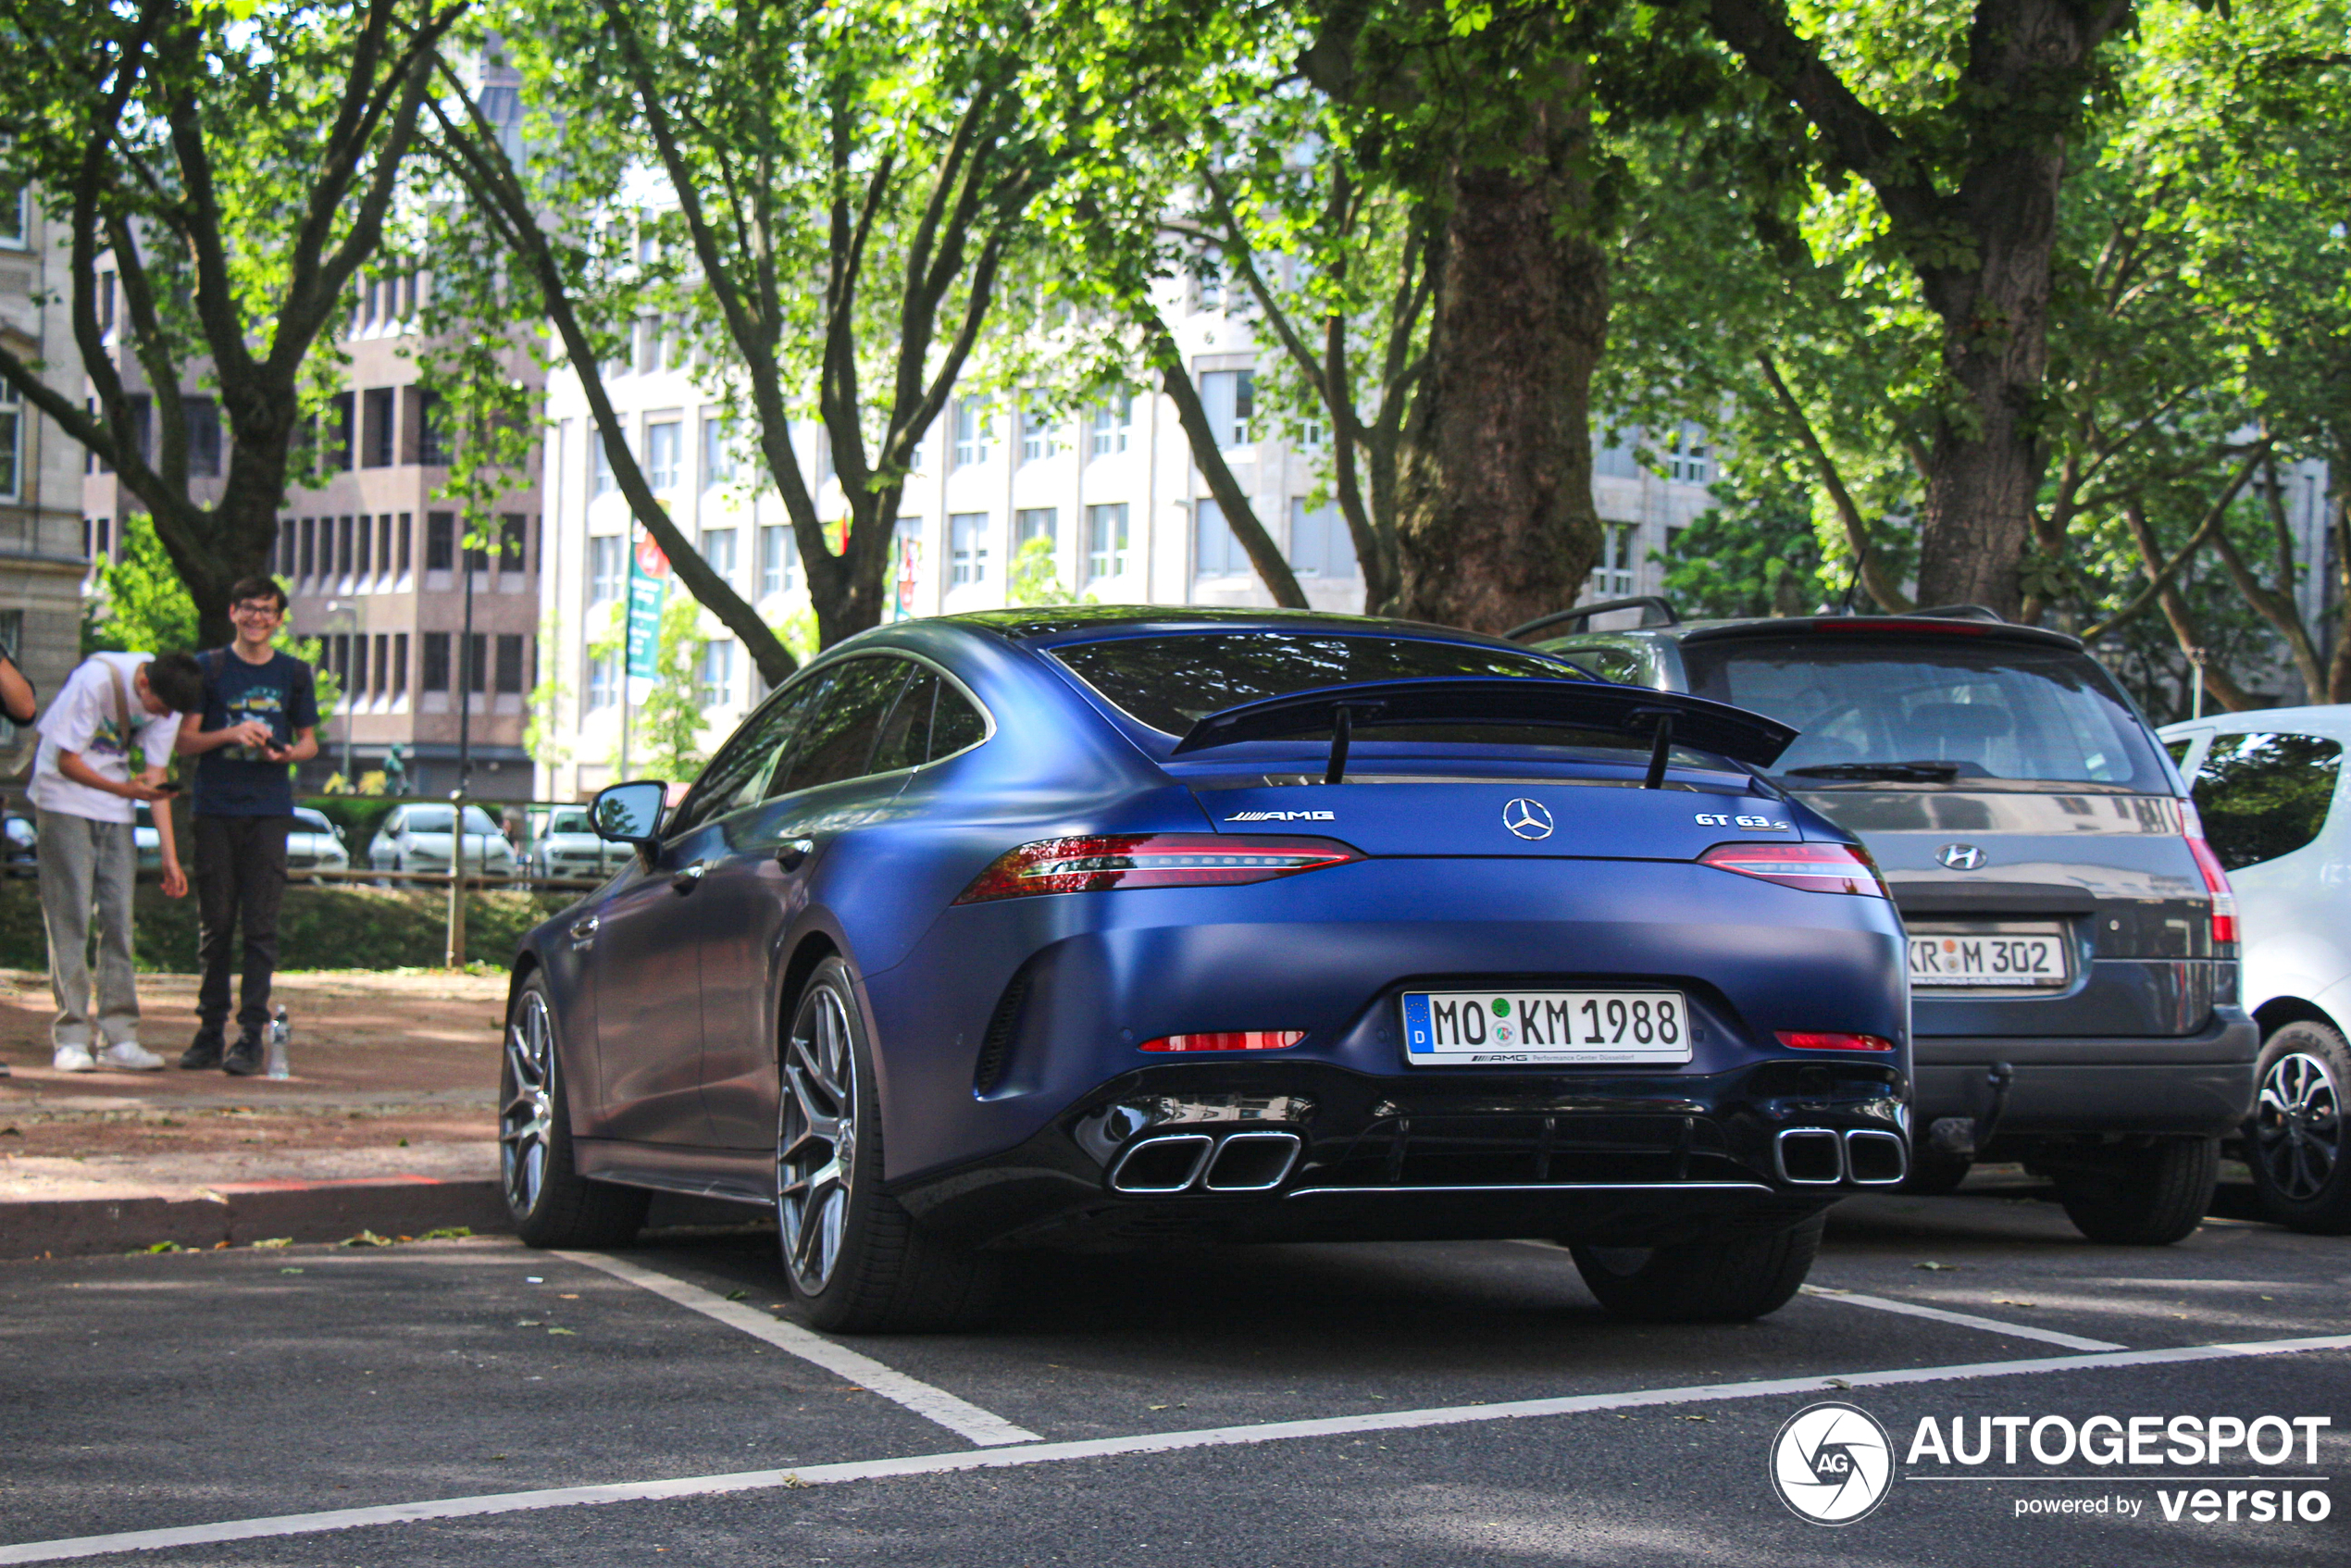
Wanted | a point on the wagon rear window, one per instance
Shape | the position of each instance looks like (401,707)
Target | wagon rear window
(1171,683)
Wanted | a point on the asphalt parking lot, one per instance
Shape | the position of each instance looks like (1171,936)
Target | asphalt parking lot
(476,1402)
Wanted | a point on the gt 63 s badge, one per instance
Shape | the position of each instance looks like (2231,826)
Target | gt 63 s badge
(1831,1463)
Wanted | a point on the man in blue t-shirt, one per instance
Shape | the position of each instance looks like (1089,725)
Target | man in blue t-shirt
(260,714)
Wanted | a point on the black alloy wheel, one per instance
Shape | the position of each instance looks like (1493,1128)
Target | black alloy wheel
(856,1261)
(2295,1141)
(552,1204)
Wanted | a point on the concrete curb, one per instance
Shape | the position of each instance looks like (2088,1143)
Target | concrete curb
(239,1213)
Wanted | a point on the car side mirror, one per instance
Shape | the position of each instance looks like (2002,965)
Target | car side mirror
(630,814)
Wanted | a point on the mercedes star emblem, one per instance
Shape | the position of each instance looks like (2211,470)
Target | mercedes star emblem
(1960,857)
(1527,819)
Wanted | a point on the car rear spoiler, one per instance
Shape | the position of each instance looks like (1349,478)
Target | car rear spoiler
(1662,717)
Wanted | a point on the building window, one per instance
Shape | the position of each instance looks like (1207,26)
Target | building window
(599,480)
(1111,424)
(718,549)
(509,663)
(1692,460)
(661,455)
(776,559)
(15,216)
(343,547)
(1229,398)
(512,537)
(606,559)
(603,680)
(1215,553)
(384,656)
(97,540)
(967,547)
(714,677)
(338,434)
(1105,541)
(975,431)
(717,456)
(1319,542)
(365,554)
(377,433)
(441,545)
(308,559)
(404,532)
(400,664)
(435,676)
(478,662)
(201,419)
(433,431)
(1035,436)
(1613,578)
(1036,522)
(285,567)
(383,544)
(11,444)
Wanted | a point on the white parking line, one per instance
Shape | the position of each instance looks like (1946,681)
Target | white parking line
(958,1416)
(1106,1448)
(1965,1320)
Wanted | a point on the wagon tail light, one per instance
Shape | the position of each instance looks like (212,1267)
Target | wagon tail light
(1099,862)
(1816,868)
(2216,880)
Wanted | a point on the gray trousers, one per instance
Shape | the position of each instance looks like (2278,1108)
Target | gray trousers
(85,864)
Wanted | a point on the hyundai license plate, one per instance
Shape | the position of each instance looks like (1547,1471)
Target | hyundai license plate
(1980,957)
(1503,1028)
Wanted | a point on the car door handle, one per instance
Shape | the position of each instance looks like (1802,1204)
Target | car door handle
(583,933)
(687,881)
(792,853)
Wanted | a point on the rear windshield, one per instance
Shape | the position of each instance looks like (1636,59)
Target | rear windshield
(1171,683)
(1966,710)
(435,819)
(569,822)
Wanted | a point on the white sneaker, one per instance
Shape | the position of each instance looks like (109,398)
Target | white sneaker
(129,1056)
(74,1059)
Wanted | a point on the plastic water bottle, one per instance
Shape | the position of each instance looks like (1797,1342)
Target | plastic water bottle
(280,1035)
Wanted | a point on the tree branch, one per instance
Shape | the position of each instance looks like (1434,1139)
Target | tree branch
(1881,588)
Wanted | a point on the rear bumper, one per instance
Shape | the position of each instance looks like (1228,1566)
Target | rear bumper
(2198,1085)
(1627,1158)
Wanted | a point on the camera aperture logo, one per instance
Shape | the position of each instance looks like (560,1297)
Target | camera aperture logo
(1831,1463)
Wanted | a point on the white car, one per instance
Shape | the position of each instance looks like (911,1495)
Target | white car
(316,844)
(568,846)
(2276,802)
(416,838)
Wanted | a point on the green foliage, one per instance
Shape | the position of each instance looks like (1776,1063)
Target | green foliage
(1035,578)
(142,607)
(1753,554)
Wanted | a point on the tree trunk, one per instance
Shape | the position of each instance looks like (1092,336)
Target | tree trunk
(1494,507)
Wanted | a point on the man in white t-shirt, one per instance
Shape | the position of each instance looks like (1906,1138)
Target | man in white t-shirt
(85,801)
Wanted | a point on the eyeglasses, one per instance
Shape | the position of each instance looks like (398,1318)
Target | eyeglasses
(255,607)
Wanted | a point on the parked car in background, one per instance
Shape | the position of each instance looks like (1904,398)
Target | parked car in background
(2072,938)
(2269,786)
(316,844)
(419,838)
(146,844)
(568,846)
(19,842)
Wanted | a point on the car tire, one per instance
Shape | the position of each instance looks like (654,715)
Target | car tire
(550,1202)
(1721,1279)
(2295,1142)
(1937,1174)
(856,1261)
(2147,1197)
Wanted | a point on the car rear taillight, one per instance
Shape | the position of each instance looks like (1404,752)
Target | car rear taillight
(1816,868)
(1098,863)
(2216,880)
(1227,1039)
(1815,1039)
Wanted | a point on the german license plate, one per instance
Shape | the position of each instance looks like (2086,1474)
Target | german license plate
(1500,1028)
(2006,958)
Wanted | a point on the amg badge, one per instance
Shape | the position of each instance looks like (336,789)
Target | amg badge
(1283,817)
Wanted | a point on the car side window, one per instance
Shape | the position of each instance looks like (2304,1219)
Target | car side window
(1611,661)
(2180,749)
(954,723)
(738,775)
(905,735)
(2262,796)
(837,742)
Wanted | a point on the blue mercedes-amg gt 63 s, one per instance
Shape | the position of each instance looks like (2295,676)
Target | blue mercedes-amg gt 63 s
(1110,926)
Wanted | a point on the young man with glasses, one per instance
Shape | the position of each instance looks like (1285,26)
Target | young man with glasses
(260,714)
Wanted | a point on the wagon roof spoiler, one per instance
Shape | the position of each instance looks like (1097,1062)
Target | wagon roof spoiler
(1663,718)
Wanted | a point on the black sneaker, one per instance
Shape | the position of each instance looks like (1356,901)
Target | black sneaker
(203,1052)
(244,1060)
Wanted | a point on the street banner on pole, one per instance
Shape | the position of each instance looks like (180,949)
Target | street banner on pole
(648,586)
